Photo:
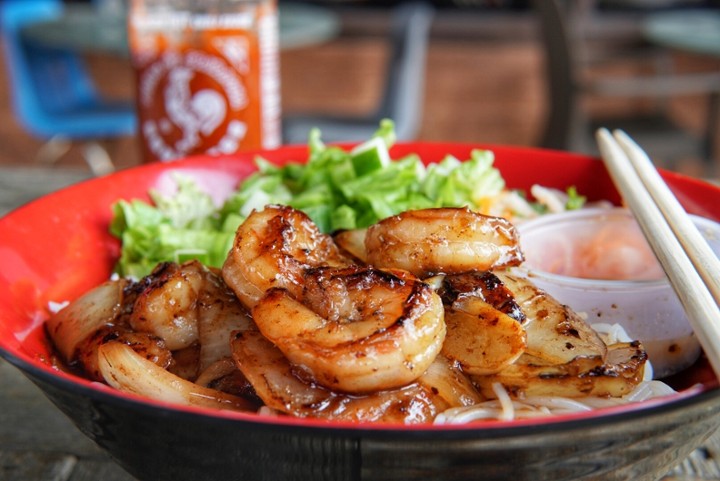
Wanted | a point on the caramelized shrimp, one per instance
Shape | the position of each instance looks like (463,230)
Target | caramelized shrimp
(356,329)
(273,248)
(179,317)
(352,244)
(285,389)
(442,240)
(166,305)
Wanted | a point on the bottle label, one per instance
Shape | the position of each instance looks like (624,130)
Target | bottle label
(207,84)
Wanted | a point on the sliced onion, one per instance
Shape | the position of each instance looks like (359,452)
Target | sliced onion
(84,316)
(614,377)
(124,369)
(449,383)
(216,370)
(481,338)
(219,314)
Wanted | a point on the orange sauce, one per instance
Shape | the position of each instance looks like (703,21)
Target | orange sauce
(613,249)
(617,253)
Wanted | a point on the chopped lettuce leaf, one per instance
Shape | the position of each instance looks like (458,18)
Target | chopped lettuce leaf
(386,132)
(177,227)
(370,156)
(337,189)
(453,183)
(190,207)
(575,200)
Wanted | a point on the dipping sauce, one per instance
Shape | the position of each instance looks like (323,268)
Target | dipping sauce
(598,262)
(610,246)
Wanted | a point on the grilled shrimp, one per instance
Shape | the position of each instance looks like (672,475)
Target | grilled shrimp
(442,240)
(356,329)
(179,317)
(284,388)
(273,248)
(167,304)
(352,244)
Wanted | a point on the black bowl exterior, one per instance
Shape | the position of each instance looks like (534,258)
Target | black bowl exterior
(156,444)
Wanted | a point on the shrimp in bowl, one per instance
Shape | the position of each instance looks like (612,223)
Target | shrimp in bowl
(462,433)
(356,329)
(428,322)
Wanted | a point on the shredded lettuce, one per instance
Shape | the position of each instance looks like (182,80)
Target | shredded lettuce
(575,200)
(183,226)
(338,189)
(347,190)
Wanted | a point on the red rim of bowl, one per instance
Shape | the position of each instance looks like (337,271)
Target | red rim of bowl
(241,165)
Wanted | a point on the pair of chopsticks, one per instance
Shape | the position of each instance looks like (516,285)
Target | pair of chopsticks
(691,266)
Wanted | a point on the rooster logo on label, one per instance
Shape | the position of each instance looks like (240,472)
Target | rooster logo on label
(201,95)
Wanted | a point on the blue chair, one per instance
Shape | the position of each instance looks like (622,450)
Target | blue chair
(53,96)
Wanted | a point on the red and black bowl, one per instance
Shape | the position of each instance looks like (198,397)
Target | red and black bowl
(57,247)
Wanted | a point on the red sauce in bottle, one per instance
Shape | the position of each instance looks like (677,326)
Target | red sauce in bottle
(207,80)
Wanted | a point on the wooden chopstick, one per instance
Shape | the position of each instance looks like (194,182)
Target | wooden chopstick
(690,265)
(701,255)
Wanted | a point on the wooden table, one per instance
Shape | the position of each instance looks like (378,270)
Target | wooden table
(37,441)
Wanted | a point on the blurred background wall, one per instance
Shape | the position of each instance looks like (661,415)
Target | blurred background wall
(484,78)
